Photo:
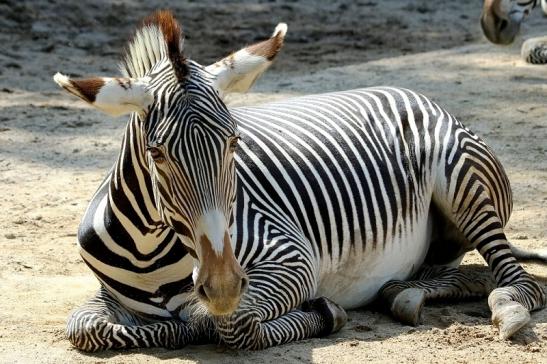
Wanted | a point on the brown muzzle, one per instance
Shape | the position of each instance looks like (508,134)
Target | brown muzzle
(221,281)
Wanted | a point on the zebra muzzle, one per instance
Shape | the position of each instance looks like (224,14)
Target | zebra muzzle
(221,281)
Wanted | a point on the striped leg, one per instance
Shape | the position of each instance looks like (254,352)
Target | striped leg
(518,292)
(534,50)
(102,323)
(405,299)
(268,316)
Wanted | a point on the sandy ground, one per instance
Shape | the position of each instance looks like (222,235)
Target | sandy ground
(54,152)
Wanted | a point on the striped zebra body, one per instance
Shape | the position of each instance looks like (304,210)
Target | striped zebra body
(309,171)
(331,201)
(350,178)
(286,184)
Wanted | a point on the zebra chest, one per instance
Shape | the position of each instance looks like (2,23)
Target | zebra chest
(355,279)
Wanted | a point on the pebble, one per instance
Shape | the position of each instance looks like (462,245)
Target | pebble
(362,328)
(10,236)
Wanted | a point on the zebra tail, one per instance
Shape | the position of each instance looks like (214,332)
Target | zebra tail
(534,256)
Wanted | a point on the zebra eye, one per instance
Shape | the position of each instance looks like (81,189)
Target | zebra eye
(156,154)
(233,143)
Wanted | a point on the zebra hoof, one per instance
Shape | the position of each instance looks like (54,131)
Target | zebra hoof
(334,315)
(510,317)
(407,306)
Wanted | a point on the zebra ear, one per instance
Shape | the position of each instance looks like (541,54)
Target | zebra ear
(114,96)
(239,71)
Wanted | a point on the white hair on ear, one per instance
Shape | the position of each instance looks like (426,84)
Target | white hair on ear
(239,71)
(280,30)
(115,96)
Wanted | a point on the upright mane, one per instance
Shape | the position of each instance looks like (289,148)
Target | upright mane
(158,37)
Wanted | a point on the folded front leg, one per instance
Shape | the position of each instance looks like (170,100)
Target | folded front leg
(103,323)
(270,314)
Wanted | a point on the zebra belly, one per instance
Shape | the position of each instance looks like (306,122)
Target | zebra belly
(355,280)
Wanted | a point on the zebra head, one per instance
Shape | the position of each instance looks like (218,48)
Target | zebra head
(185,141)
(501,19)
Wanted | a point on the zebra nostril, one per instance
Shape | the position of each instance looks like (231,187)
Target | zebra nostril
(244,285)
(200,290)
(503,24)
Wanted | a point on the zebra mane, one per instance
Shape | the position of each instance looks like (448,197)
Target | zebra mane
(159,36)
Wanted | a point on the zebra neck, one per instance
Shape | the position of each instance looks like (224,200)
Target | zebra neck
(130,197)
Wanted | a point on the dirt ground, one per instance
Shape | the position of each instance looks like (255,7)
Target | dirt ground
(54,151)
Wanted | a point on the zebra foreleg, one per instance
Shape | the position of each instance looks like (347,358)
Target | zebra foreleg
(269,316)
(102,323)
(245,329)
(405,299)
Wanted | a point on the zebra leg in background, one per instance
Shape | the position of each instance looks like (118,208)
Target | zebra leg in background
(405,299)
(103,323)
(268,316)
(534,50)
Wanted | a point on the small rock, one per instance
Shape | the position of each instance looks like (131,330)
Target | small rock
(521,237)
(48,49)
(10,236)
(13,65)
(362,328)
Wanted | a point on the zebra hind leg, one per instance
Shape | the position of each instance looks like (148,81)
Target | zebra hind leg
(103,323)
(517,292)
(405,299)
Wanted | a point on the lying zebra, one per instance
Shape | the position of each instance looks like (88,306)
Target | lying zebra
(500,22)
(257,226)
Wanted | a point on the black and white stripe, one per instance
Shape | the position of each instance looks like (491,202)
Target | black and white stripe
(339,197)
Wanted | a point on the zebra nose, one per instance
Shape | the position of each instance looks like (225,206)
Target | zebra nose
(244,285)
(204,290)
(202,293)
(222,297)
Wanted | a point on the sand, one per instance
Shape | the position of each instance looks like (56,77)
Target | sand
(54,151)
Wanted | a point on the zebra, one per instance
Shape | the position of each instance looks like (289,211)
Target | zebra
(258,226)
(500,22)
